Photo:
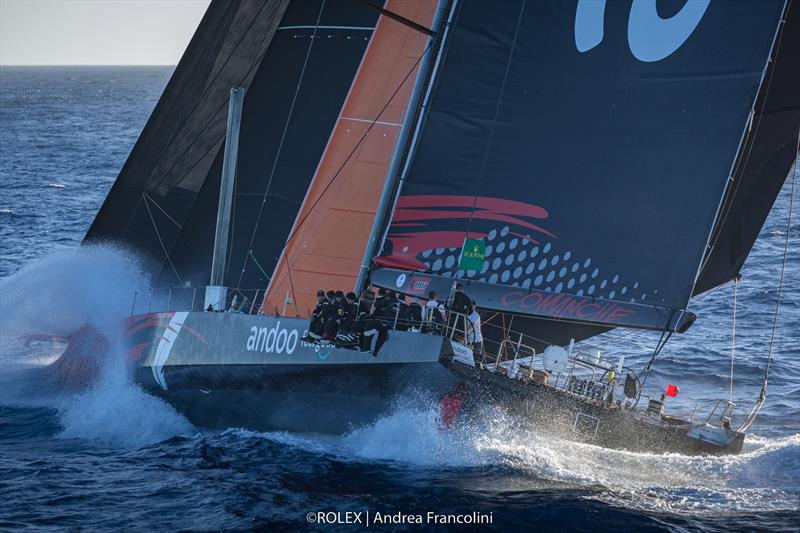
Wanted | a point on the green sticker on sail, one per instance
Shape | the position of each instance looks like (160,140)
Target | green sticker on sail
(472,254)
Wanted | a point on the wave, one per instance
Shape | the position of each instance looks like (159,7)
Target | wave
(46,302)
(762,478)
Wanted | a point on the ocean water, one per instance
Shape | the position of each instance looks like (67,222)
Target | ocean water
(114,458)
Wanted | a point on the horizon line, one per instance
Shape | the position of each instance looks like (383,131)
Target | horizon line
(88,64)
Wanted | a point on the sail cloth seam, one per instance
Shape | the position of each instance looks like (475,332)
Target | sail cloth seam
(203,96)
(280,143)
(349,156)
(706,252)
(160,240)
(353,151)
(379,122)
(494,119)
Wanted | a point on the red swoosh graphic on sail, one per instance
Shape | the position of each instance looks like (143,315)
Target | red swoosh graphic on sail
(415,229)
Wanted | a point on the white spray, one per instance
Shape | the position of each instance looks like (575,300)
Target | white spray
(58,295)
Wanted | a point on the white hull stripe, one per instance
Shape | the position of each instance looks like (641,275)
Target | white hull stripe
(165,347)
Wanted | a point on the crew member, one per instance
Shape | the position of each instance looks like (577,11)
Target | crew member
(460,304)
(317,326)
(474,335)
(415,314)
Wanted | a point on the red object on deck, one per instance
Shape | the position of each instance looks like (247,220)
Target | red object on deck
(672,390)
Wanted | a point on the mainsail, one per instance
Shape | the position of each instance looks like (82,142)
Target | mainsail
(589,145)
(296,60)
(769,150)
(327,242)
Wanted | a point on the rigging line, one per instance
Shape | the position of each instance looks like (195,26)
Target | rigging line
(258,265)
(351,154)
(733,342)
(662,341)
(222,106)
(355,148)
(494,120)
(150,198)
(208,88)
(161,242)
(742,164)
(283,138)
(133,215)
(214,145)
(763,393)
(783,267)
(399,18)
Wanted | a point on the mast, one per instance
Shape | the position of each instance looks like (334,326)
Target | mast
(225,198)
(393,173)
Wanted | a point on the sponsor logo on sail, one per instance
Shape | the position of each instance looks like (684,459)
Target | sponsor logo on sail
(276,339)
(418,285)
(650,37)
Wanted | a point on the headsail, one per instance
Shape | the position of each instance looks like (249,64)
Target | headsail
(589,145)
(169,164)
(297,60)
(331,230)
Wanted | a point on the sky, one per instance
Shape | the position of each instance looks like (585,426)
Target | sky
(97,32)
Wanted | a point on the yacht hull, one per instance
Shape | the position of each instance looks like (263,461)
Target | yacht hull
(602,423)
(234,370)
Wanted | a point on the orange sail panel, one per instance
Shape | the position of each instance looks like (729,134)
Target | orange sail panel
(331,231)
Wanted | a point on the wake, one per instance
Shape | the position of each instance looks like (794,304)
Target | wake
(762,478)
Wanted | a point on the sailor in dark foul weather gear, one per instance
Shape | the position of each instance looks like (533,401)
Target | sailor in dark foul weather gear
(379,301)
(401,313)
(460,303)
(334,323)
(414,316)
(385,307)
(365,304)
(317,326)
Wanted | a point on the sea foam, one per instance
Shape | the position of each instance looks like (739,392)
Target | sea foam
(53,298)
